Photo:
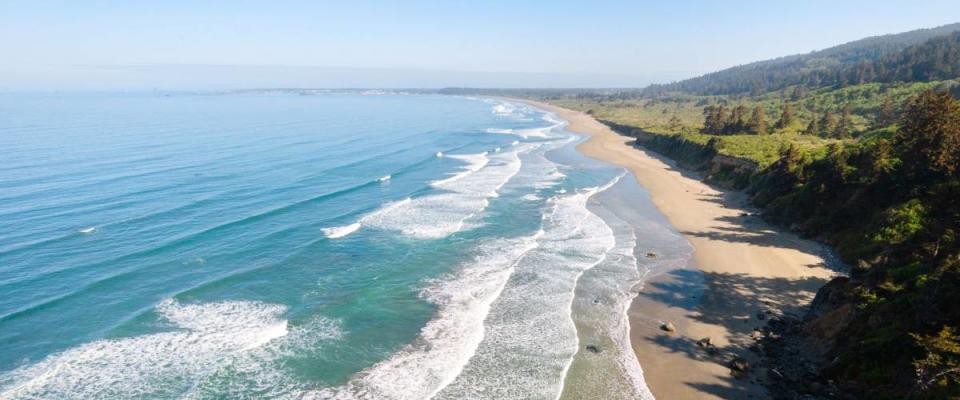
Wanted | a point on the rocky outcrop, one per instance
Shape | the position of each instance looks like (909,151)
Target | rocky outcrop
(797,350)
(831,311)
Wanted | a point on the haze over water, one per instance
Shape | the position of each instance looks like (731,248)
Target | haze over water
(275,245)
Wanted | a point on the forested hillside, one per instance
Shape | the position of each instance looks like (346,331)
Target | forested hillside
(889,206)
(905,57)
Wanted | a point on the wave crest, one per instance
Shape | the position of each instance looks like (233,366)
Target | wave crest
(206,338)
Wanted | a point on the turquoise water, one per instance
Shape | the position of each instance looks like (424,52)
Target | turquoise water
(275,245)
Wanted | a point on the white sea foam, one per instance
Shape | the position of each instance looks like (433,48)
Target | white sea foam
(238,335)
(627,358)
(604,295)
(539,132)
(338,232)
(610,184)
(503,109)
(552,179)
(448,341)
(384,178)
(465,194)
(439,154)
(387,208)
(549,131)
(538,172)
(503,327)
(87,231)
(543,132)
(553,119)
(620,327)
(474,163)
(519,113)
(530,337)
(617,257)
(515,111)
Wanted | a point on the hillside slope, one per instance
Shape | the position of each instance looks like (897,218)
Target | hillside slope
(857,62)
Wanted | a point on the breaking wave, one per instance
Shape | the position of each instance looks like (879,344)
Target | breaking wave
(204,341)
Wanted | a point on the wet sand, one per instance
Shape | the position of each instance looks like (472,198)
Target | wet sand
(741,267)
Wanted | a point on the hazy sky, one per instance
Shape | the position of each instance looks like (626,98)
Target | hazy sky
(221,44)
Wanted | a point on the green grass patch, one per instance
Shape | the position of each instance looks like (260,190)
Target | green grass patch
(682,114)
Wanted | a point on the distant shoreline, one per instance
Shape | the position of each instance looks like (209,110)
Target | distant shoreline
(746,267)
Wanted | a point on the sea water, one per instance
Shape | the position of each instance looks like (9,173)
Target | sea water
(336,245)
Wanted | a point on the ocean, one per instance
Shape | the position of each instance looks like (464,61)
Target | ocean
(314,245)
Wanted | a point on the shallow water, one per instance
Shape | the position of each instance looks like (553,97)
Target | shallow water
(253,245)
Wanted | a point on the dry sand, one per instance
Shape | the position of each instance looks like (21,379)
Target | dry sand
(742,266)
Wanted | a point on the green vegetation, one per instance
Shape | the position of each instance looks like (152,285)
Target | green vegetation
(883,192)
(868,107)
(900,223)
(923,55)
(907,257)
(857,146)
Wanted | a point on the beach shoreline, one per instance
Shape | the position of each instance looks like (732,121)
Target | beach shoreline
(742,270)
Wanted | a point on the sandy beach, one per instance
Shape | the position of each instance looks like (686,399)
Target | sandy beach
(742,267)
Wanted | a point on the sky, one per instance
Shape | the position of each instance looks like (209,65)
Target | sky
(223,44)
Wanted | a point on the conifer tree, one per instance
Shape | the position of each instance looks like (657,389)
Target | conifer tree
(929,135)
(845,125)
(828,123)
(723,120)
(786,116)
(758,122)
(738,120)
(813,128)
(714,120)
(886,115)
(791,157)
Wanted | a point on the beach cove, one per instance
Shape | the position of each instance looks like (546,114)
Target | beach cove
(742,268)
